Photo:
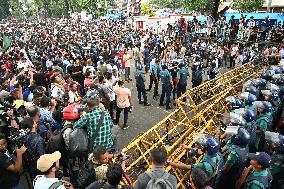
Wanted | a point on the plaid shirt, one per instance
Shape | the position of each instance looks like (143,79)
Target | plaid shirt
(90,121)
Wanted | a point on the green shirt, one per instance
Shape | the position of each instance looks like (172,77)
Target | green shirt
(254,184)
(205,166)
(233,157)
(277,165)
(155,68)
(90,121)
(262,125)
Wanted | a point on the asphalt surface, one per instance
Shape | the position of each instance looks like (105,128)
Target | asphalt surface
(142,118)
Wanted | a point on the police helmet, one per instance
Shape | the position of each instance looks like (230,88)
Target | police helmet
(260,83)
(267,106)
(268,74)
(235,102)
(253,90)
(242,138)
(248,97)
(208,143)
(276,69)
(275,140)
(278,79)
(272,87)
(237,119)
(249,115)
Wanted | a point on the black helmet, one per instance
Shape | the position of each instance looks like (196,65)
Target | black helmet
(242,138)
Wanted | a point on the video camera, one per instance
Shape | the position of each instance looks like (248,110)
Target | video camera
(18,138)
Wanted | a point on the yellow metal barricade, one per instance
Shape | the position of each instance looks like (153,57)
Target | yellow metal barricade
(181,125)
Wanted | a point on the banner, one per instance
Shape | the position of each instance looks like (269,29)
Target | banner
(6,43)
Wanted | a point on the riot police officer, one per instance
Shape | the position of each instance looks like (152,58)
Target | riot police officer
(275,145)
(235,156)
(155,71)
(140,84)
(166,79)
(182,75)
(211,160)
(262,121)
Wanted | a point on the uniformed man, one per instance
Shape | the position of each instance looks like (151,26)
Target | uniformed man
(140,84)
(262,121)
(235,156)
(257,175)
(182,76)
(275,144)
(198,74)
(210,161)
(167,84)
(155,71)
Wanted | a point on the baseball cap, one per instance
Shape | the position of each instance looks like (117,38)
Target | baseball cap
(47,160)
(261,157)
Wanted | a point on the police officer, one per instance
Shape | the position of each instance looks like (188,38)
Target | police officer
(235,155)
(155,76)
(262,121)
(182,75)
(198,74)
(257,175)
(166,79)
(275,144)
(210,161)
(140,84)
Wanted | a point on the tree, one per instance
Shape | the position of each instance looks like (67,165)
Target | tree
(247,6)
(146,9)
(172,4)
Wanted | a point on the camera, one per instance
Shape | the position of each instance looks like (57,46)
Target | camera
(18,138)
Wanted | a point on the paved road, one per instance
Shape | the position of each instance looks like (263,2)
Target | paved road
(143,118)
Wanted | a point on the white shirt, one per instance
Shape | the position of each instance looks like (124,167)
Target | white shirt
(42,182)
(57,92)
(49,63)
(110,91)
(90,68)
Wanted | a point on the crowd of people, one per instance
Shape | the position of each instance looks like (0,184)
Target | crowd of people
(64,86)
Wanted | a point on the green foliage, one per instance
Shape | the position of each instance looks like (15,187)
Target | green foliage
(247,6)
(172,4)
(146,9)
(50,8)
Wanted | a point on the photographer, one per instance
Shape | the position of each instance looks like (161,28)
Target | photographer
(10,169)
(35,146)
(48,164)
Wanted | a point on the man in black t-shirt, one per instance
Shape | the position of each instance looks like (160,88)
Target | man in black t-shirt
(9,169)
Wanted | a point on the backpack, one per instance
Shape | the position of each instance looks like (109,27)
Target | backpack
(159,183)
(56,141)
(86,174)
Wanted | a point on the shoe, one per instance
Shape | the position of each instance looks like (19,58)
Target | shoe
(147,104)
(168,108)
(141,102)
(125,127)
(161,104)
(148,90)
